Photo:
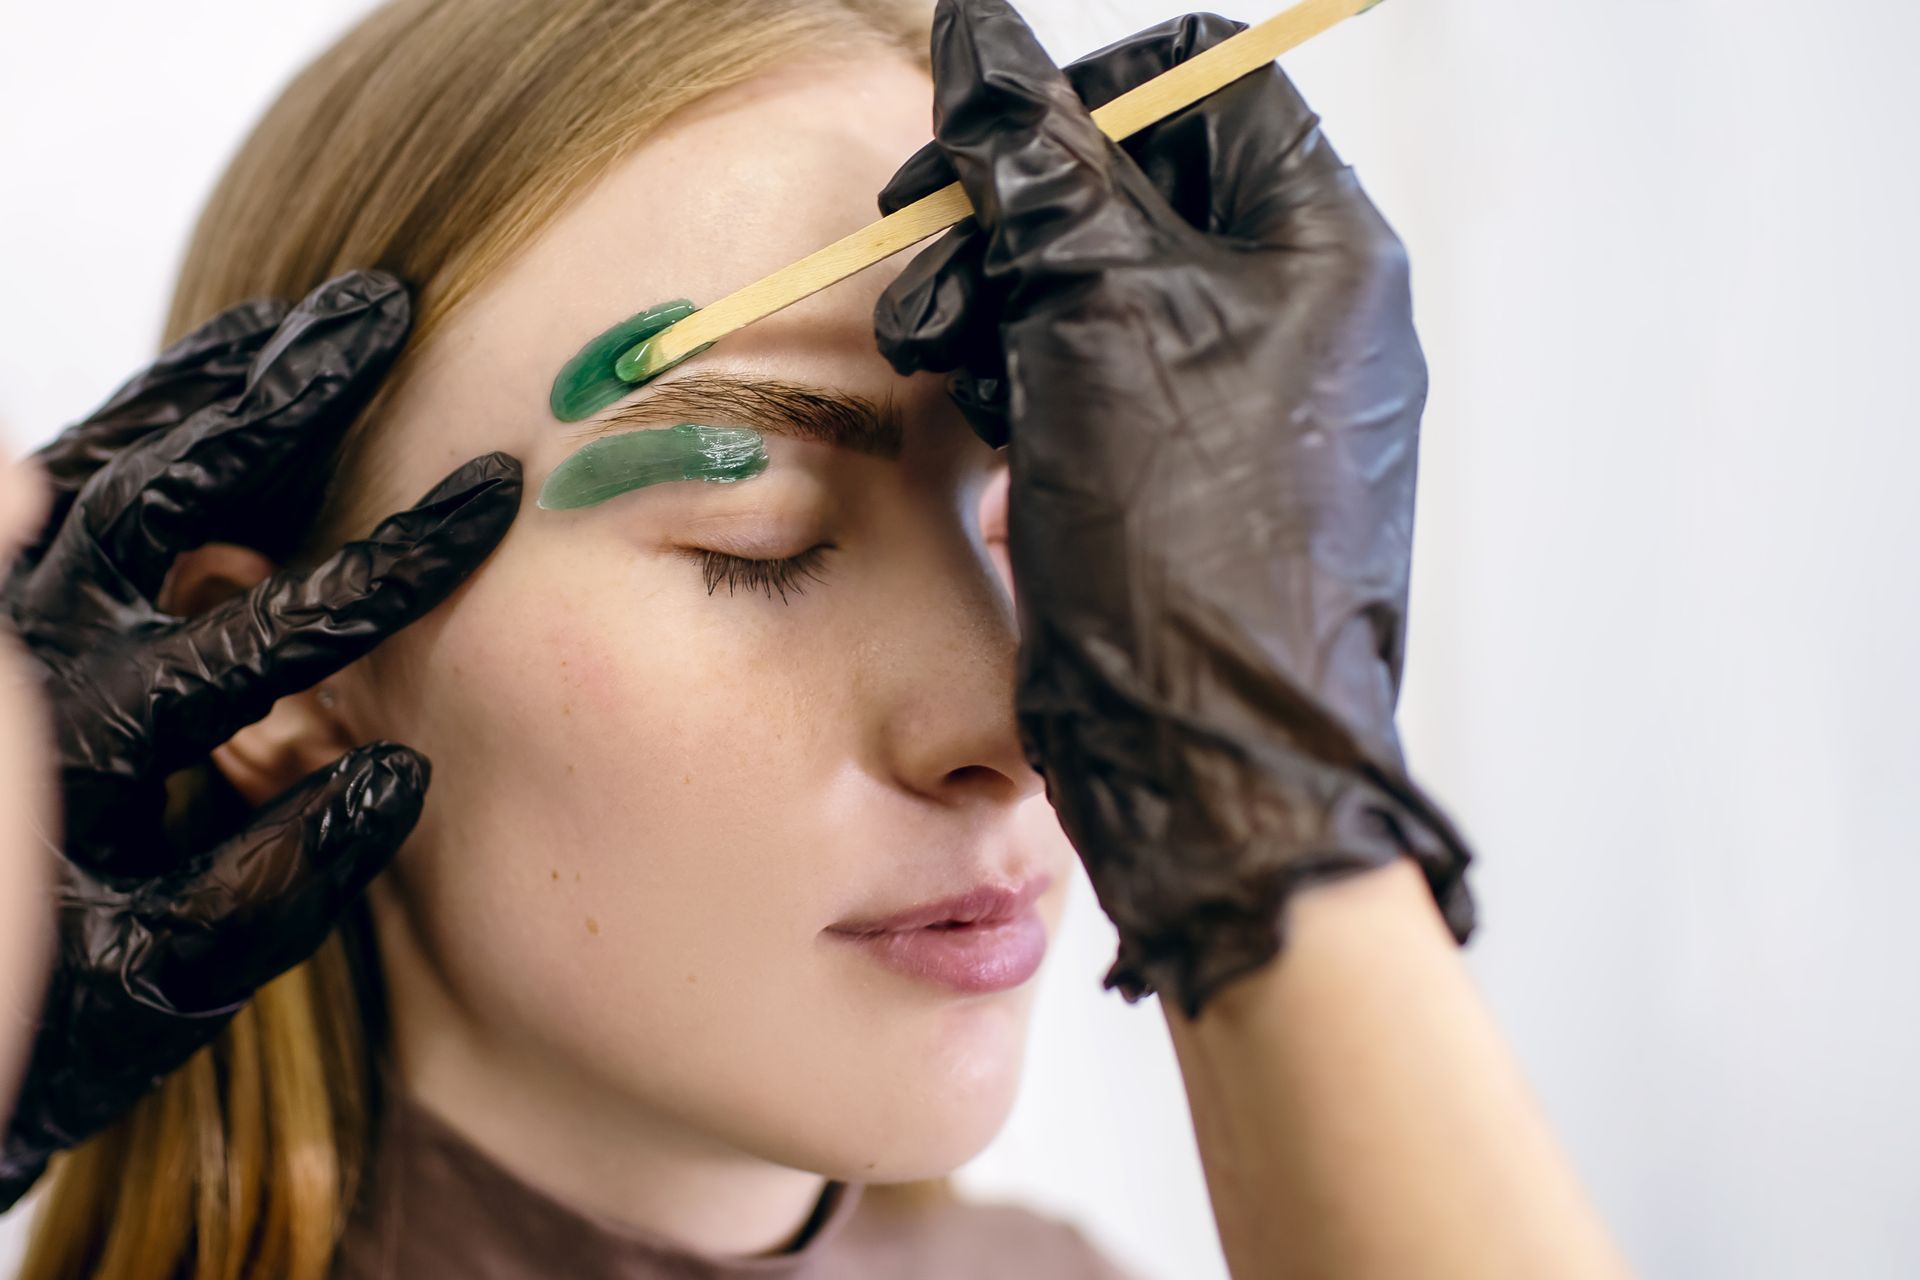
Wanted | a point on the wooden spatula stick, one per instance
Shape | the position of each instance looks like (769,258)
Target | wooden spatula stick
(1179,86)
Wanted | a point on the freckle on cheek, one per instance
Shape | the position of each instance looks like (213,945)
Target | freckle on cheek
(593,926)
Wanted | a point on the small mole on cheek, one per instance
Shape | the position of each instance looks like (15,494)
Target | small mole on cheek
(566,709)
(691,979)
(686,779)
(556,873)
(593,926)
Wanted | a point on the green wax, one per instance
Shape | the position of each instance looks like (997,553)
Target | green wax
(588,383)
(613,465)
(638,366)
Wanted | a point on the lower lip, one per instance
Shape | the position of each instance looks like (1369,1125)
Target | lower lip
(972,959)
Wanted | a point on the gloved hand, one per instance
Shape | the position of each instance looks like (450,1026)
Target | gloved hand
(227,437)
(1201,349)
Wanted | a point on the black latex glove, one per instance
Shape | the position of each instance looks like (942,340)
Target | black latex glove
(1201,349)
(226,438)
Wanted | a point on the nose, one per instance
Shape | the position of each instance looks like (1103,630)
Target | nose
(949,732)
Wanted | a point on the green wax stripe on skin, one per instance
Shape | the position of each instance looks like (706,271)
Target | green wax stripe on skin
(588,383)
(613,465)
(637,366)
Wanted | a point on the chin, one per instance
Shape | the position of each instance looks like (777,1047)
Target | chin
(936,1137)
(921,1112)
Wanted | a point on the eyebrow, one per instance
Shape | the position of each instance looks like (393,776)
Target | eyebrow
(797,409)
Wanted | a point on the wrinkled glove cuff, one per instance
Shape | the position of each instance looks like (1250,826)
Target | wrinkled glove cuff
(1228,914)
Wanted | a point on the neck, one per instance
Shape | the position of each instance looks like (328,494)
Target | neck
(578,1138)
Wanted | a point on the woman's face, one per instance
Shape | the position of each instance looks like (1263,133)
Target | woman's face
(652,802)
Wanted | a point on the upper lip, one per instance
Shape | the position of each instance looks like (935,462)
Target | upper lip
(986,904)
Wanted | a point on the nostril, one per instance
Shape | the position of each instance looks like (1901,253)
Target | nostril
(976,776)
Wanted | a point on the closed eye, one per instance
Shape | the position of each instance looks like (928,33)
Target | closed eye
(783,576)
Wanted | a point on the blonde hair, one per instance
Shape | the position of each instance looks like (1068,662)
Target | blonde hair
(434,140)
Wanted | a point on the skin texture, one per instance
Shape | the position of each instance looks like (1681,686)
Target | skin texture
(1359,1116)
(23,811)
(604,940)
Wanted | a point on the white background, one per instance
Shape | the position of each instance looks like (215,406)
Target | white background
(1666,273)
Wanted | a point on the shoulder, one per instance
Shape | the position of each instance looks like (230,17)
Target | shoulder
(937,1237)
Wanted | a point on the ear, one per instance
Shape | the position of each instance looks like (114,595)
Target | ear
(302,732)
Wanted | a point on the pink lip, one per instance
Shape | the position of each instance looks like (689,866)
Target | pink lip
(990,939)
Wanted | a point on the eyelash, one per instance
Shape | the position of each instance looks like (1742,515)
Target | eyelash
(771,577)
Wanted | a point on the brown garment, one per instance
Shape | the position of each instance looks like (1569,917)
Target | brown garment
(435,1206)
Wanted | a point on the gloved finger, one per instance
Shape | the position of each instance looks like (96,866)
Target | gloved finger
(1054,195)
(1199,164)
(223,670)
(931,316)
(268,897)
(248,469)
(1250,162)
(942,313)
(923,173)
(984,403)
(1131,61)
(1097,78)
(208,364)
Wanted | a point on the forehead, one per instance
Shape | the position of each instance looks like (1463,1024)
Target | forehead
(738,186)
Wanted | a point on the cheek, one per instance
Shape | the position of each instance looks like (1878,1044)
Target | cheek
(614,764)
(647,803)
(1036,829)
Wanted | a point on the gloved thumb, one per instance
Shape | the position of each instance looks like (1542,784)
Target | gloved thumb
(269,895)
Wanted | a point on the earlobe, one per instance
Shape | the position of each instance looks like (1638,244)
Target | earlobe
(301,733)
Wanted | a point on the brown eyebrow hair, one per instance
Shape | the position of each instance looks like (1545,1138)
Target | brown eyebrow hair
(796,409)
